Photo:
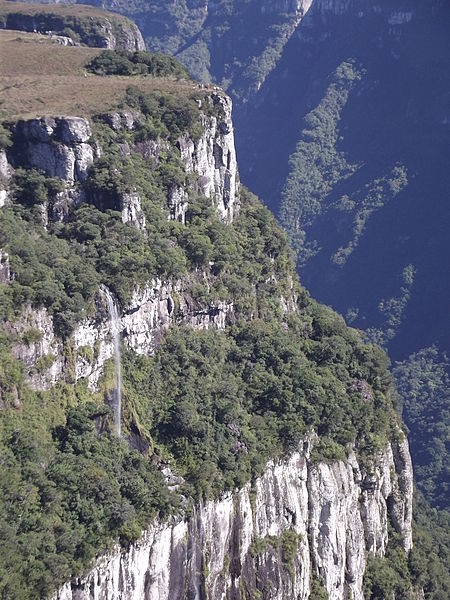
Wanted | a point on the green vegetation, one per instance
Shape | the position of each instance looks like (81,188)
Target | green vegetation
(398,575)
(250,40)
(218,405)
(372,197)
(316,165)
(318,591)
(423,383)
(111,62)
(391,311)
(252,392)
(286,545)
(61,266)
(66,492)
(5,136)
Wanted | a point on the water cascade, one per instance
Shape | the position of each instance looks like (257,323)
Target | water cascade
(115,332)
(196,559)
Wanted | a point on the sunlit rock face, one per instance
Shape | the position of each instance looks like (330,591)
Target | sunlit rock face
(333,512)
(64,147)
(58,147)
(143,324)
(213,158)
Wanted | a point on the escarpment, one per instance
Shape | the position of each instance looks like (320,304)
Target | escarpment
(258,451)
(64,149)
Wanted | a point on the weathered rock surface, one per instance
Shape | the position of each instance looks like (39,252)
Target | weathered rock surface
(35,344)
(143,324)
(5,273)
(234,545)
(131,209)
(4,171)
(56,146)
(4,176)
(213,158)
(63,147)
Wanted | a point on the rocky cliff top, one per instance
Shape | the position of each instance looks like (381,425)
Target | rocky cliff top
(88,26)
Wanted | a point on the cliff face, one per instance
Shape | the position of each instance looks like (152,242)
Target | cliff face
(64,148)
(265,541)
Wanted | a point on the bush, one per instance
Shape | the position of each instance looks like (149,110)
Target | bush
(31,187)
(119,62)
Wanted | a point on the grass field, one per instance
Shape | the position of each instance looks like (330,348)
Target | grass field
(80,10)
(39,77)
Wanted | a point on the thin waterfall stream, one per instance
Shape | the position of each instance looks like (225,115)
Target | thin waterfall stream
(115,332)
(195,558)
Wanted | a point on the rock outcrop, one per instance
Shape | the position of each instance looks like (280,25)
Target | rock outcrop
(35,344)
(5,273)
(59,146)
(143,324)
(4,175)
(96,30)
(238,546)
(213,158)
(64,147)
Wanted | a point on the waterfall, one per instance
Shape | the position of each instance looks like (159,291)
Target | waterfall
(115,332)
(196,559)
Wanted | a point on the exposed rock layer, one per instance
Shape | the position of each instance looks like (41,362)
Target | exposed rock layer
(143,325)
(64,147)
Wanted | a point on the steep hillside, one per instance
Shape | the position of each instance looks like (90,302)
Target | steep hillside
(354,122)
(157,354)
(360,145)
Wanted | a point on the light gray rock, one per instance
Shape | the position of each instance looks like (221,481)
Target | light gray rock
(114,120)
(74,130)
(4,167)
(151,149)
(104,32)
(42,353)
(213,158)
(37,130)
(178,202)
(132,210)
(5,275)
(58,147)
(3,197)
(143,325)
(63,201)
(124,36)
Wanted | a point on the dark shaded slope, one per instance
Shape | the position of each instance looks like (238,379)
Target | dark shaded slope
(393,114)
